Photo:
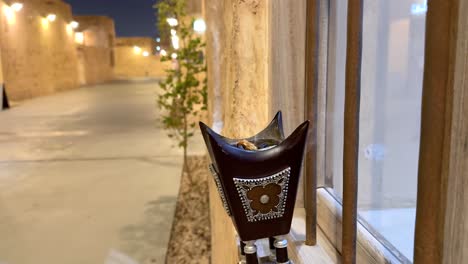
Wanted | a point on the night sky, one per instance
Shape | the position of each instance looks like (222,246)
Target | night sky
(132,17)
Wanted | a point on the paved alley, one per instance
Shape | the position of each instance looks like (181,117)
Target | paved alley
(87,177)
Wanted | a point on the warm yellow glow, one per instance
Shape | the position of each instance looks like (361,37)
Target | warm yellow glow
(9,14)
(44,23)
(74,24)
(174,56)
(136,49)
(163,53)
(79,38)
(17,6)
(51,17)
(145,53)
(69,29)
(172,22)
(173,32)
(175,42)
(199,26)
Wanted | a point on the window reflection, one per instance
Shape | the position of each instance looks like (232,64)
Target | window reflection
(391,86)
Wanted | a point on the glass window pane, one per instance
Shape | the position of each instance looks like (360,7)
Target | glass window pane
(391,83)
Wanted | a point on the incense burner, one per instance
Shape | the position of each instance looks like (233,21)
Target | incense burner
(258,187)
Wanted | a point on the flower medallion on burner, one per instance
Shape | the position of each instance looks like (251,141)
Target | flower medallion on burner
(264,198)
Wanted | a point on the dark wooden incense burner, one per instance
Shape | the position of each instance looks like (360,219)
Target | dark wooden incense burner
(258,187)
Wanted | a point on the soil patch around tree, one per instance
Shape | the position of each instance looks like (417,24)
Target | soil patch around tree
(190,240)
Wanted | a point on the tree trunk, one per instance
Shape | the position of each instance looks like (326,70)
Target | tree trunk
(186,167)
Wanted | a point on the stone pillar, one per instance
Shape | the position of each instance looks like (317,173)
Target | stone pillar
(245,79)
(1,82)
(238,75)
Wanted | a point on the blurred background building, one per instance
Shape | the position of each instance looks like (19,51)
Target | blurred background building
(46,49)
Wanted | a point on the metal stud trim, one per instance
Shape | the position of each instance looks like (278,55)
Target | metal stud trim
(244,185)
(220,189)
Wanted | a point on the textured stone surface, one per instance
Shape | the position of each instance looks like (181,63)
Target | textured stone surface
(38,57)
(129,64)
(96,56)
(237,57)
(245,83)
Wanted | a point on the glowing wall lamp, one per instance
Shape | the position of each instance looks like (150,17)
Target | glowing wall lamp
(9,14)
(74,24)
(172,21)
(174,56)
(79,38)
(16,6)
(199,26)
(136,49)
(145,53)
(51,17)
(9,11)
(69,29)
(163,53)
(44,23)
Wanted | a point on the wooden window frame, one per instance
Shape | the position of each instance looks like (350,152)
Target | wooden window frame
(351,123)
(441,235)
(441,228)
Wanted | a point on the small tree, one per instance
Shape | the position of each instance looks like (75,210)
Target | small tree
(184,96)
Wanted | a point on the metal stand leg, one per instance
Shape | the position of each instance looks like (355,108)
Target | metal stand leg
(271,241)
(242,256)
(250,251)
(281,245)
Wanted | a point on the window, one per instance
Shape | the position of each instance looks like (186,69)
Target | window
(390,115)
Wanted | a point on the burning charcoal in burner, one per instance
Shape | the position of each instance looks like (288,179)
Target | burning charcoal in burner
(247,145)
(257,144)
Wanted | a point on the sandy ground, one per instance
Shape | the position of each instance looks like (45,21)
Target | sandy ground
(190,241)
(87,176)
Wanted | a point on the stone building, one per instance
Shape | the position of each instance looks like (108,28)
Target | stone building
(38,51)
(45,49)
(95,38)
(135,57)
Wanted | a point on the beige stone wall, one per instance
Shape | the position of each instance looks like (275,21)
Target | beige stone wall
(129,64)
(1,82)
(99,31)
(96,54)
(38,57)
(1,69)
(194,6)
(95,65)
(255,62)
